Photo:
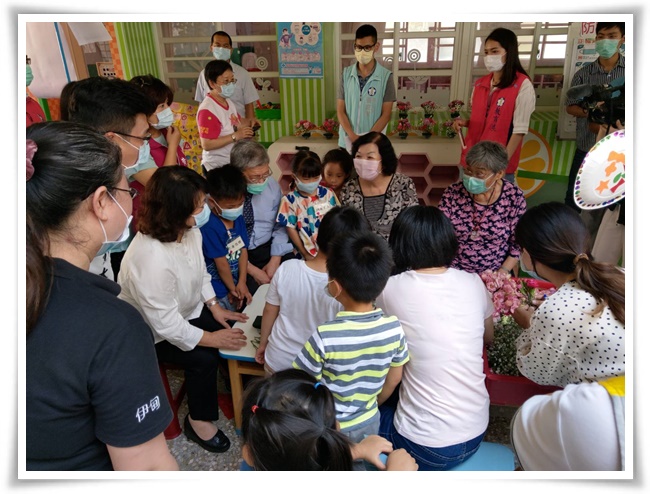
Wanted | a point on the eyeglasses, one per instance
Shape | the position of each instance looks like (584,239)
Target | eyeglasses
(145,138)
(258,179)
(234,81)
(132,192)
(364,48)
(479,173)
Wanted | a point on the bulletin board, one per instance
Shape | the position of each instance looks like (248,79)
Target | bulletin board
(300,49)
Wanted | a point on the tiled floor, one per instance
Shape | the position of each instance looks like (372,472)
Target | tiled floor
(191,457)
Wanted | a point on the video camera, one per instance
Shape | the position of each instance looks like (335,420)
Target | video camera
(611,95)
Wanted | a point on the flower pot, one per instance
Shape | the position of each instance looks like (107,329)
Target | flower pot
(306,135)
(426,135)
(450,134)
(403,135)
(403,114)
(328,135)
(428,115)
(455,114)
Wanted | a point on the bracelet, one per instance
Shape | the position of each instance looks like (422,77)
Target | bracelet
(211,303)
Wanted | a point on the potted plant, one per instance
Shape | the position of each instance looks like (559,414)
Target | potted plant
(449,129)
(403,107)
(429,107)
(330,127)
(403,127)
(455,107)
(427,127)
(304,128)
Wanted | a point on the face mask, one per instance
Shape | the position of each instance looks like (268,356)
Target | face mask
(221,53)
(307,188)
(30,76)
(532,274)
(476,185)
(165,119)
(364,57)
(143,153)
(256,189)
(607,48)
(367,169)
(112,244)
(202,218)
(227,90)
(327,290)
(493,62)
(231,214)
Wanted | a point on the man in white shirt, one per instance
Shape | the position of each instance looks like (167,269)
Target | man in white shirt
(245,93)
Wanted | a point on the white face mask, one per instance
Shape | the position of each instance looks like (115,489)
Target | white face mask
(493,62)
(108,245)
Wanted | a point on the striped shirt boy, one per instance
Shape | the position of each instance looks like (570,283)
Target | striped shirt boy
(351,355)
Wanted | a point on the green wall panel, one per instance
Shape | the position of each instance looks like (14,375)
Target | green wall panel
(137,46)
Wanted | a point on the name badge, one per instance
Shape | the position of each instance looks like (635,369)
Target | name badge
(320,208)
(234,245)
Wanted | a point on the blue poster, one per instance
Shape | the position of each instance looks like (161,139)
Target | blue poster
(300,49)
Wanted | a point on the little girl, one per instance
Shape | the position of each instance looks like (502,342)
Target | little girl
(289,423)
(302,209)
(337,168)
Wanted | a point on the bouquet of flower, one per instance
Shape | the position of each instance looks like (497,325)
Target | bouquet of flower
(304,126)
(427,125)
(449,128)
(403,106)
(330,125)
(455,106)
(428,106)
(403,125)
(506,295)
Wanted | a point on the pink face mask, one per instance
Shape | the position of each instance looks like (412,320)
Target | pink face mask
(367,169)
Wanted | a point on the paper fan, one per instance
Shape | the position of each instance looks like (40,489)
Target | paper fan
(601,177)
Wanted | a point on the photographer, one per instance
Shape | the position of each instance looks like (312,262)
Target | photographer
(609,66)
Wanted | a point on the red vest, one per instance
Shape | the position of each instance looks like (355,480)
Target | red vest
(34,112)
(491,117)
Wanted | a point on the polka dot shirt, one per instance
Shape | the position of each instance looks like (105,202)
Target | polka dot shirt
(567,344)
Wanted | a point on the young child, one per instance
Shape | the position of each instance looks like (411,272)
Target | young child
(302,209)
(361,351)
(225,241)
(296,303)
(337,168)
(289,423)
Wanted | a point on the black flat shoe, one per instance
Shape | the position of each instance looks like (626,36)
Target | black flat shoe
(218,444)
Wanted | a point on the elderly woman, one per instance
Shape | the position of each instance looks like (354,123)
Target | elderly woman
(268,240)
(379,192)
(484,210)
(443,407)
(164,276)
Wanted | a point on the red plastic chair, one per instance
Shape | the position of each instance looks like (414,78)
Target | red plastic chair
(174,429)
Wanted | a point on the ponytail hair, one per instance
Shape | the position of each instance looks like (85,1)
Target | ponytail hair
(66,163)
(555,236)
(289,423)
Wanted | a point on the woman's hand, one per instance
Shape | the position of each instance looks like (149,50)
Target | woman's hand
(400,460)
(228,339)
(243,133)
(222,315)
(173,137)
(458,123)
(370,448)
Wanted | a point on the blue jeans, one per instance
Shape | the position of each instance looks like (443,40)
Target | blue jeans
(225,304)
(428,459)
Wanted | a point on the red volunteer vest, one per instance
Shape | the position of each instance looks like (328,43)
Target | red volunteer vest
(491,117)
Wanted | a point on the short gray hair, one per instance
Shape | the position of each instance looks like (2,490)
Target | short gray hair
(490,154)
(248,154)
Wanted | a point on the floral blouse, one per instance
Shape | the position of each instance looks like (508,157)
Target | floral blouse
(486,233)
(399,195)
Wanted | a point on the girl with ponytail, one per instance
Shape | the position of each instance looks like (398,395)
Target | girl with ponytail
(578,333)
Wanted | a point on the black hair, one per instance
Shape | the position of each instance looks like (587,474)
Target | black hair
(154,88)
(555,236)
(609,25)
(340,156)
(508,41)
(386,151)
(64,102)
(340,220)
(221,33)
(108,105)
(366,30)
(289,423)
(214,69)
(307,164)
(418,226)
(226,182)
(70,163)
(361,262)
(170,197)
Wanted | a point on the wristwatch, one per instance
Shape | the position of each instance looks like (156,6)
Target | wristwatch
(232,136)
(211,303)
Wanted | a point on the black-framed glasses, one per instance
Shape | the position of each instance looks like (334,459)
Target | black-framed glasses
(132,192)
(364,48)
(145,138)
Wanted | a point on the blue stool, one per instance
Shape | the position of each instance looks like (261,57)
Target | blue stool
(489,457)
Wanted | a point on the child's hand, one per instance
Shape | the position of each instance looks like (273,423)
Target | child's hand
(234,300)
(370,448)
(259,354)
(243,293)
(400,460)
(173,136)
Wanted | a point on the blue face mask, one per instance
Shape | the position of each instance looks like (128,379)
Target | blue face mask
(476,185)
(227,90)
(607,48)
(202,218)
(307,187)
(532,274)
(143,153)
(30,76)
(231,214)
(121,243)
(256,189)
(165,119)
(221,53)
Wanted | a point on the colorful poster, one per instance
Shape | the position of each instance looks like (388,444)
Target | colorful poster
(300,49)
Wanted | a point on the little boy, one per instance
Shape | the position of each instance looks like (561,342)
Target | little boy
(361,351)
(225,241)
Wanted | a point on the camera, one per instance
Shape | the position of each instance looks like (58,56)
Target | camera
(605,103)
